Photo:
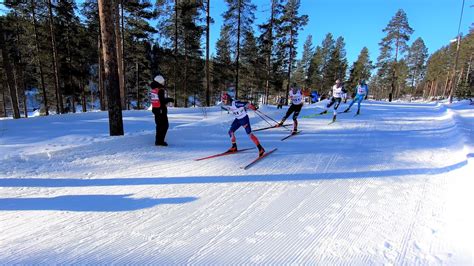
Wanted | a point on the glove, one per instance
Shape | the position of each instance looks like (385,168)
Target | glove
(252,107)
(365,97)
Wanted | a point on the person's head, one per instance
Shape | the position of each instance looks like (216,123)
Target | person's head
(362,82)
(338,81)
(226,99)
(158,82)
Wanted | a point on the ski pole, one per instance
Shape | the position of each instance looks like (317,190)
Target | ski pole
(272,119)
(266,115)
(263,118)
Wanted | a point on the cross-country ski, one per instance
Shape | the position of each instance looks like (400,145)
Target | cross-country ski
(291,135)
(256,160)
(223,154)
(271,127)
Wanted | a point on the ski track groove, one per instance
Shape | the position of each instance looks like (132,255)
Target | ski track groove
(239,220)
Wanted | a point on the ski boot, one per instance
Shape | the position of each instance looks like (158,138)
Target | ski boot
(280,123)
(233,148)
(161,143)
(295,130)
(358,112)
(324,112)
(261,150)
(334,118)
(347,110)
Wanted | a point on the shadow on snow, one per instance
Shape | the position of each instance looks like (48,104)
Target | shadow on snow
(87,203)
(50,182)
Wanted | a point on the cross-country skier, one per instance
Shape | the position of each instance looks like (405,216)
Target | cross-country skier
(296,104)
(362,92)
(337,92)
(238,108)
(159,109)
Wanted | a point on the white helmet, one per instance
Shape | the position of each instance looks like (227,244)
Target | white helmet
(160,79)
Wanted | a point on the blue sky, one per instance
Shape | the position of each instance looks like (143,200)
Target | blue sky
(361,22)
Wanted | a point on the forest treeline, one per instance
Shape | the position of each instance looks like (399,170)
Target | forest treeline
(54,49)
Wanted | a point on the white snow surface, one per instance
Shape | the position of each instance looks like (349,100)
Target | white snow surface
(393,185)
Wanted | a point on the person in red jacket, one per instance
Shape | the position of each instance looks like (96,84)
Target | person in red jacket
(159,109)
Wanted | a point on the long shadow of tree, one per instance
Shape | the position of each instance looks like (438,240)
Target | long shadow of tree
(87,203)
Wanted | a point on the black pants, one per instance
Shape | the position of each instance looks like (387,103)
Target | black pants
(162,125)
(334,100)
(295,109)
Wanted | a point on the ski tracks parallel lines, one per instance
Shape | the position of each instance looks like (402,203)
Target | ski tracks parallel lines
(233,226)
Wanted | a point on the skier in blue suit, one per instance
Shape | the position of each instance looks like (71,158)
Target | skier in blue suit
(362,92)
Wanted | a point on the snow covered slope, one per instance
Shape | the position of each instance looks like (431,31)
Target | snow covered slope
(391,186)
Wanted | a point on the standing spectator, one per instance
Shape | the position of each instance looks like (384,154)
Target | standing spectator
(159,109)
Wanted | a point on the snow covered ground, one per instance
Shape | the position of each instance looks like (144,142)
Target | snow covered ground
(391,186)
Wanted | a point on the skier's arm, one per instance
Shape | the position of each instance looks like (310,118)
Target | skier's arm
(223,106)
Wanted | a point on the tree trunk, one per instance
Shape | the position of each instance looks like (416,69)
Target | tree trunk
(40,64)
(185,85)
(3,110)
(269,55)
(69,62)
(138,85)
(101,74)
(83,94)
(237,66)
(124,68)
(10,75)
(175,76)
(54,51)
(290,62)
(7,66)
(18,64)
(446,86)
(111,68)
(435,89)
(208,27)
(118,37)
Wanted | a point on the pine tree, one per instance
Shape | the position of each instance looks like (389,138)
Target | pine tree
(289,23)
(315,70)
(90,10)
(324,55)
(238,20)
(416,61)
(301,75)
(251,68)
(208,44)
(55,62)
(19,29)
(190,48)
(6,37)
(222,61)
(137,33)
(265,42)
(392,46)
(68,48)
(337,64)
(360,70)
(38,57)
